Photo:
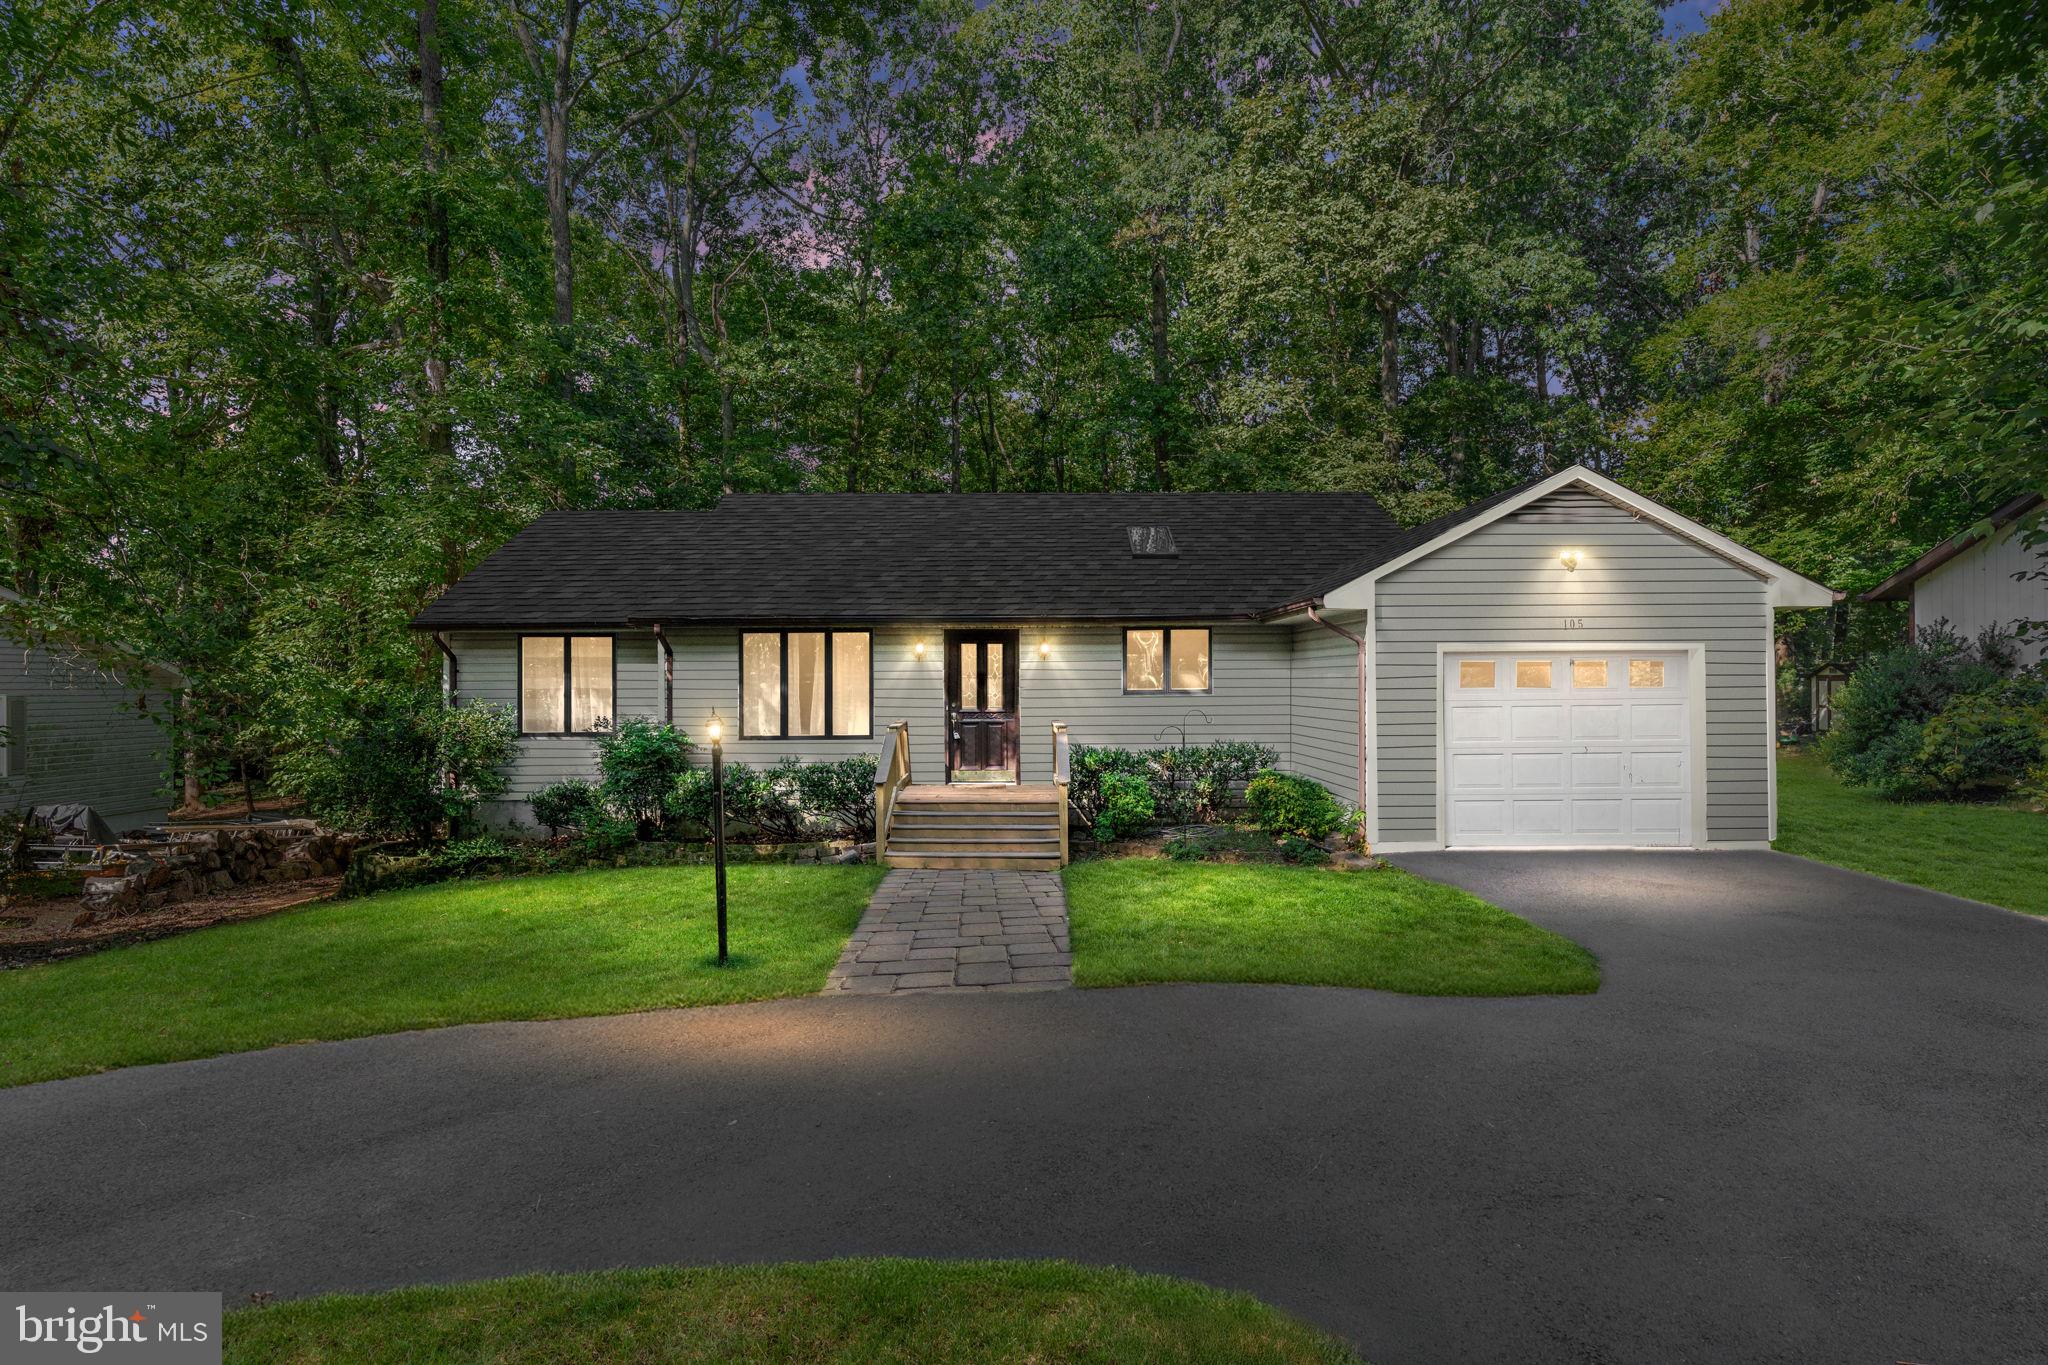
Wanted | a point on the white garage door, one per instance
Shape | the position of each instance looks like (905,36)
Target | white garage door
(1567,748)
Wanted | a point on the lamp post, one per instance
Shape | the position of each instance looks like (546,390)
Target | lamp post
(718,825)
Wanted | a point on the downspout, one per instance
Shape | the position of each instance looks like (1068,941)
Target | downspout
(451,671)
(668,677)
(1358,640)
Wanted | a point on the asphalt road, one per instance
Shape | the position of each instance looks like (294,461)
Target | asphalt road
(1805,1119)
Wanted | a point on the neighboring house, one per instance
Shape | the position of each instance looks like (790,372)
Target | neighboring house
(76,732)
(1565,664)
(1974,580)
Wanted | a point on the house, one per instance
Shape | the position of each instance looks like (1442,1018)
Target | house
(1986,575)
(1564,664)
(79,728)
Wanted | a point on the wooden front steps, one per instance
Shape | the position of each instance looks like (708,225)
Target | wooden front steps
(977,826)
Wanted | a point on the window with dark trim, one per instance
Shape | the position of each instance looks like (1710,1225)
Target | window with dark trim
(806,684)
(566,683)
(1166,660)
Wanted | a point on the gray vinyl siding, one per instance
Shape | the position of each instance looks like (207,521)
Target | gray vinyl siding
(90,737)
(1079,681)
(1323,736)
(1082,683)
(1638,583)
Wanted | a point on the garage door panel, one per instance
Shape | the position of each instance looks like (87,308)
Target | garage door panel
(1597,817)
(1568,748)
(1656,720)
(1476,819)
(1595,769)
(1479,772)
(1542,768)
(1656,816)
(1596,721)
(1536,817)
(1470,723)
(1652,769)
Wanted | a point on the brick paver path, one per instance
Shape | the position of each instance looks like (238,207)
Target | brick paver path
(959,931)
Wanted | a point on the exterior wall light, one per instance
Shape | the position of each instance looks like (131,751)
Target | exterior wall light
(1570,560)
(1045,649)
(918,649)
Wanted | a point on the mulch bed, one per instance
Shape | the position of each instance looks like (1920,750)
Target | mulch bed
(42,931)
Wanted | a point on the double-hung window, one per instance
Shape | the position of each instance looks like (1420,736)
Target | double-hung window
(565,684)
(803,684)
(1166,660)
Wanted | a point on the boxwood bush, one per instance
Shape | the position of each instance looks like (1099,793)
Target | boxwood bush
(1198,783)
(1287,806)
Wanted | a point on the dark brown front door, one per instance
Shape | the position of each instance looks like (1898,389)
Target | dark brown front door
(981,705)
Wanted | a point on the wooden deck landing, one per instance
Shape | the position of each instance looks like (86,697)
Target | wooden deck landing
(982,793)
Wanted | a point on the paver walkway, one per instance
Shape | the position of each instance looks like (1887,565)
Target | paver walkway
(959,931)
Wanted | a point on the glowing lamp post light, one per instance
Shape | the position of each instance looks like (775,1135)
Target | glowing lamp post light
(717,731)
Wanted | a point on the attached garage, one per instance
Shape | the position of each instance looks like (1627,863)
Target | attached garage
(1569,747)
(1570,665)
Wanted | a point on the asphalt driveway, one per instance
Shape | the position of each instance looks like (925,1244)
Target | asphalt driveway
(1804,1120)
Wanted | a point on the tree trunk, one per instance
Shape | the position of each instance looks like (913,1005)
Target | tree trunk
(1162,375)
(439,432)
(192,795)
(1390,351)
(953,437)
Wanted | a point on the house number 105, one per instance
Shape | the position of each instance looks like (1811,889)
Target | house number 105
(1574,623)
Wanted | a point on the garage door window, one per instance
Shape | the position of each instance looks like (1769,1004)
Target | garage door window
(1645,672)
(1532,673)
(1589,672)
(1476,673)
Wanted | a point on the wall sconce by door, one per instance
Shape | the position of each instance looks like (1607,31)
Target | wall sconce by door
(1570,560)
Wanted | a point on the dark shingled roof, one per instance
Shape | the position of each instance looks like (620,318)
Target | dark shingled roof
(800,558)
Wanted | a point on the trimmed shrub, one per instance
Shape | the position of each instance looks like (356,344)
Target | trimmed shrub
(566,805)
(765,802)
(638,762)
(1087,766)
(1196,783)
(1284,804)
(1127,807)
(840,795)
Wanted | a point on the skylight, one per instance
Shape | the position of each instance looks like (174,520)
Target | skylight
(1152,542)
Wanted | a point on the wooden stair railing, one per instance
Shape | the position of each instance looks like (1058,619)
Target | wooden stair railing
(892,775)
(1061,774)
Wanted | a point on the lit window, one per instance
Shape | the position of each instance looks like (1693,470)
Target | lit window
(850,669)
(1143,652)
(970,678)
(1189,660)
(1532,673)
(805,684)
(565,684)
(1476,673)
(1645,672)
(1589,672)
(995,675)
(1166,661)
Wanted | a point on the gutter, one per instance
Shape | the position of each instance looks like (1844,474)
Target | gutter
(1358,640)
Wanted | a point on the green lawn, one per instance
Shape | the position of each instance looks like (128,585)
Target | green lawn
(1139,919)
(542,947)
(853,1311)
(1988,853)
